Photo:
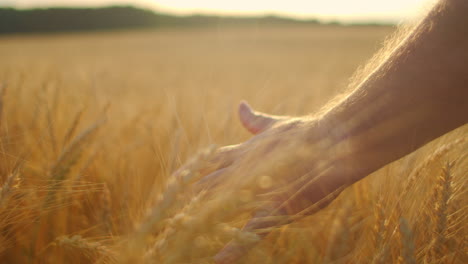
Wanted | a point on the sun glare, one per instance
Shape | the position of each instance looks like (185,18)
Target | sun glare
(345,10)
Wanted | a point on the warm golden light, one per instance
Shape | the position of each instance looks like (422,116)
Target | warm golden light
(344,10)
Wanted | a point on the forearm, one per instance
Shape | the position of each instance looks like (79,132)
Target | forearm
(416,95)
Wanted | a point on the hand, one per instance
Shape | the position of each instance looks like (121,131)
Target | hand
(287,163)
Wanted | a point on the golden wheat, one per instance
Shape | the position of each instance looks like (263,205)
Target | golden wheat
(109,193)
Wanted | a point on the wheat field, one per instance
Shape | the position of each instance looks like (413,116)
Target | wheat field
(93,125)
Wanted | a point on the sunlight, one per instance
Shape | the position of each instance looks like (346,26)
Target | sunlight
(344,10)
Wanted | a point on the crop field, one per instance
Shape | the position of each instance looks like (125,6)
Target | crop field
(93,125)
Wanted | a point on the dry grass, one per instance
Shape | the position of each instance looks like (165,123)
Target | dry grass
(93,125)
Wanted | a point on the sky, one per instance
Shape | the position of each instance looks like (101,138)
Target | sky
(341,10)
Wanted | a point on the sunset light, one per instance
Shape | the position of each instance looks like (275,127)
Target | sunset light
(341,10)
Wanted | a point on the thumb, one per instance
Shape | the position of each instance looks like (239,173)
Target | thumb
(256,122)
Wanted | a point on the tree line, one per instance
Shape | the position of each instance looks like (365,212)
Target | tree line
(115,17)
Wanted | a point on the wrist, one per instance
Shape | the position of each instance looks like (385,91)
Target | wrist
(343,148)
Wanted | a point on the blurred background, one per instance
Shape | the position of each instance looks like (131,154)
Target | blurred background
(145,13)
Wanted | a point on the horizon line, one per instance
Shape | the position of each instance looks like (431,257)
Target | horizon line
(255,14)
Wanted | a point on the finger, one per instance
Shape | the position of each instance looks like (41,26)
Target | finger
(210,181)
(263,219)
(231,253)
(222,158)
(235,250)
(280,212)
(256,122)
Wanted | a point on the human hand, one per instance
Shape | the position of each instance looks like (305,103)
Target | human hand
(288,165)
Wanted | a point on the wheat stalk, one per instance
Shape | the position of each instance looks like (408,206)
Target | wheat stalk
(380,232)
(444,194)
(436,155)
(72,129)
(407,244)
(95,251)
(11,182)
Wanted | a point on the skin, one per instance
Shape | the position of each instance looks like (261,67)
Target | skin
(417,93)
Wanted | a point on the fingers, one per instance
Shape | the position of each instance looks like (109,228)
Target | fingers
(223,157)
(211,173)
(210,181)
(255,122)
(263,219)
(230,253)
(283,210)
